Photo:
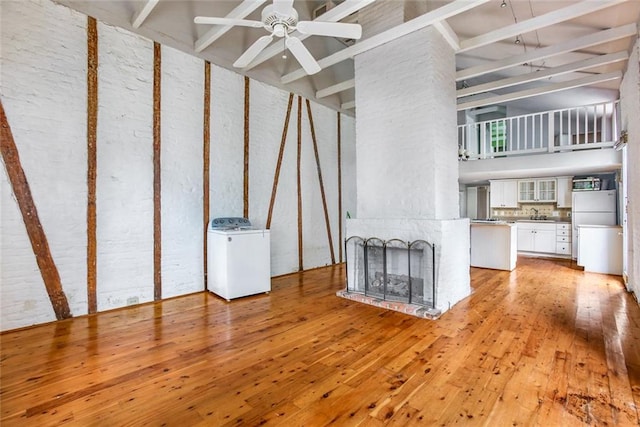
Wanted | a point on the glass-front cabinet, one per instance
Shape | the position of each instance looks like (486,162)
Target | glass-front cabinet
(546,190)
(526,191)
(537,190)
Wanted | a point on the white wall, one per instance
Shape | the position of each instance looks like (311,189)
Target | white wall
(630,111)
(44,94)
(124,187)
(182,166)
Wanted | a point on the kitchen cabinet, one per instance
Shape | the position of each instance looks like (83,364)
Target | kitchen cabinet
(563,238)
(565,188)
(537,190)
(537,237)
(504,194)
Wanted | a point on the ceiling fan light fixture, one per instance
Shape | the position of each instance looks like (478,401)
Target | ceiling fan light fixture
(503,4)
(517,40)
(280,19)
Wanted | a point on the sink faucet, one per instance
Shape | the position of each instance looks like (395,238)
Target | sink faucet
(535,210)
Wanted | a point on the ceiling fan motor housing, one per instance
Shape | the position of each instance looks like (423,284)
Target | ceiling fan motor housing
(279,24)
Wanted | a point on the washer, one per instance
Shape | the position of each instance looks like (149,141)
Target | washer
(238,258)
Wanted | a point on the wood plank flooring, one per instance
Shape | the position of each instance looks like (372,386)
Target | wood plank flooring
(545,345)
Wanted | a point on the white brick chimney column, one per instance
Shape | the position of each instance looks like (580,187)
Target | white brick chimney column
(407,164)
(406,147)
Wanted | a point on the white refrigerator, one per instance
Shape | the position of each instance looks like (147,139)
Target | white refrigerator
(591,208)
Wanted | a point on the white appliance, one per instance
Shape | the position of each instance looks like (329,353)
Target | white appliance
(238,258)
(600,249)
(591,208)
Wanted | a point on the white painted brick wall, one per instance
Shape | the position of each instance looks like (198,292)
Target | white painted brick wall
(379,17)
(182,168)
(407,168)
(125,168)
(43,89)
(406,129)
(317,251)
(630,111)
(227,143)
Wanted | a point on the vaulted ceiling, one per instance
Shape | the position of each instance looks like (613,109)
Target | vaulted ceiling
(532,54)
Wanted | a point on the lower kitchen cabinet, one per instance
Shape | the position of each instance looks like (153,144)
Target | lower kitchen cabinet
(563,235)
(537,237)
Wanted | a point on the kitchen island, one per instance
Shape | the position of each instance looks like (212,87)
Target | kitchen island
(494,244)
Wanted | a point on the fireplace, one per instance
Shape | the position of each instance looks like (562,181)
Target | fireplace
(392,270)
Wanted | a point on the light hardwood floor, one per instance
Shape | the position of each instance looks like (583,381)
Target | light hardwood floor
(545,345)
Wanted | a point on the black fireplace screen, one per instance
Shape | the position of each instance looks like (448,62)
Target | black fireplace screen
(392,270)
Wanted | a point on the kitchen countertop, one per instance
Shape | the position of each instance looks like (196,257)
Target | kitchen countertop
(492,223)
(547,221)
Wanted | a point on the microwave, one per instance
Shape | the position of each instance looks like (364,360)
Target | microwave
(586,184)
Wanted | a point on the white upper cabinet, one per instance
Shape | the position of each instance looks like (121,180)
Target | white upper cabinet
(537,190)
(504,194)
(565,187)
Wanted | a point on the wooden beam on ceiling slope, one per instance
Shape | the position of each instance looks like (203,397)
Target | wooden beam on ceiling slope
(241,11)
(332,15)
(348,105)
(440,14)
(569,46)
(337,88)
(449,35)
(565,14)
(543,90)
(140,17)
(539,75)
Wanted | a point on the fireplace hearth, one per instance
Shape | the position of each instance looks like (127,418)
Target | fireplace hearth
(392,273)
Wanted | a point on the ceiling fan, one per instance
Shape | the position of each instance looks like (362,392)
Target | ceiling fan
(280,19)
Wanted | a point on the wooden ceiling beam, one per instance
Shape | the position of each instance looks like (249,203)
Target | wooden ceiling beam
(339,87)
(140,17)
(565,14)
(348,105)
(449,35)
(539,75)
(240,12)
(447,11)
(570,46)
(543,90)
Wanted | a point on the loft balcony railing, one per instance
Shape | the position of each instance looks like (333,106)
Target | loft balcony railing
(569,129)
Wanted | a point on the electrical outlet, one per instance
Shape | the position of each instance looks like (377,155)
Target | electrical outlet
(133,301)
(555,213)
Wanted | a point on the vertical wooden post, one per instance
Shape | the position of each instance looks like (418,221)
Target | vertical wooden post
(339,185)
(157,180)
(36,234)
(299,187)
(92,160)
(206,136)
(245,210)
(276,176)
(319,169)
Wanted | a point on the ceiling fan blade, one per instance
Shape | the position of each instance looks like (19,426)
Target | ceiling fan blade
(253,51)
(303,55)
(283,7)
(333,29)
(227,21)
